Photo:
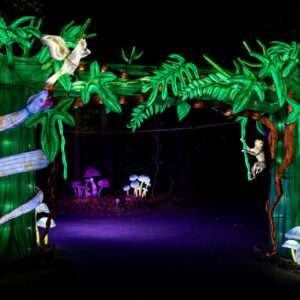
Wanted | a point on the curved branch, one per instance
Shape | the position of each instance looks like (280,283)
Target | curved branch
(288,143)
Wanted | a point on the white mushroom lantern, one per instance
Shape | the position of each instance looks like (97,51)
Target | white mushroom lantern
(135,185)
(143,179)
(126,189)
(292,235)
(42,223)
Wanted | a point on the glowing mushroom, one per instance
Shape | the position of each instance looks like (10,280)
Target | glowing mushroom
(103,183)
(145,190)
(42,223)
(87,192)
(90,173)
(135,185)
(143,179)
(293,233)
(293,245)
(126,189)
(76,185)
(133,177)
(42,208)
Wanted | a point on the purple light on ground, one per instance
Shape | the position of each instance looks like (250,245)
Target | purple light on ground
(208,246)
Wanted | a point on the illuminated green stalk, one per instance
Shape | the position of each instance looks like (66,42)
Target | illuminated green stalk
(62,147)
(243,135)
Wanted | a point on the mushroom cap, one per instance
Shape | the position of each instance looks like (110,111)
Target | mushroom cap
(91,172)
(42,208)
(42,222)
(135,184)
(293,233)
(291,244)
(103,182)
(145,189)
(144,178)
(87,180)
(76,182)
(126,188)
(133,177)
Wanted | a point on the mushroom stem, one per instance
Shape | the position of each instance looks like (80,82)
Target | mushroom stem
(94,188)
(140,189)
(293,255)
(37,235)
(99,192)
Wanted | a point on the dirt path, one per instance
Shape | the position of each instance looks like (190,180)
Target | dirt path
(170,254)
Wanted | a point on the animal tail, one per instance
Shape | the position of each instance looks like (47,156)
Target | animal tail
(53,78)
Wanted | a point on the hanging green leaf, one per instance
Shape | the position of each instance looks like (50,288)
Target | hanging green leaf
(182,110)
(50,141)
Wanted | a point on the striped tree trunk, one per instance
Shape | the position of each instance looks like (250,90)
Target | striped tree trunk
(287,213)
(17,236)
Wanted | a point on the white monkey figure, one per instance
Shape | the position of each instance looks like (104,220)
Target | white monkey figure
(258,152)
(58,50)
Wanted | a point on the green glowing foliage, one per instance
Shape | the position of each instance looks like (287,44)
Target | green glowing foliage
(173,71)
(295,114)
(132,57)
(143,112)
(50,141)
(243,137)
(182,110)
(96,84)
(10,34)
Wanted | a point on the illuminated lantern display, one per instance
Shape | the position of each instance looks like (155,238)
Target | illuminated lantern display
(139,184)
(265,90)
(90,173)
(103,183)
(58,50)
(293,234)
(22,110)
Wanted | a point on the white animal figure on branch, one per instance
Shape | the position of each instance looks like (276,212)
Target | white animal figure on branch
(258,152)
(58,50)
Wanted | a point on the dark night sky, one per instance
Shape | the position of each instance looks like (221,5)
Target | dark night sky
(189,28)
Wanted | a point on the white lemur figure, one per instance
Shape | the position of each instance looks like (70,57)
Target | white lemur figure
(58,50)
(258,152)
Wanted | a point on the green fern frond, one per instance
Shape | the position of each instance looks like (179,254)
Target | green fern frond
(174,71)
(236,91)
(143,112)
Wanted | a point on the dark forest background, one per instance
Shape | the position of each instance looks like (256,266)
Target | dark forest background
(203,164)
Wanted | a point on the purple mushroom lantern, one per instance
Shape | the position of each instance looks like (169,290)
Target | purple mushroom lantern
(103,183)
(76,185)
(87,192)
(91,173)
